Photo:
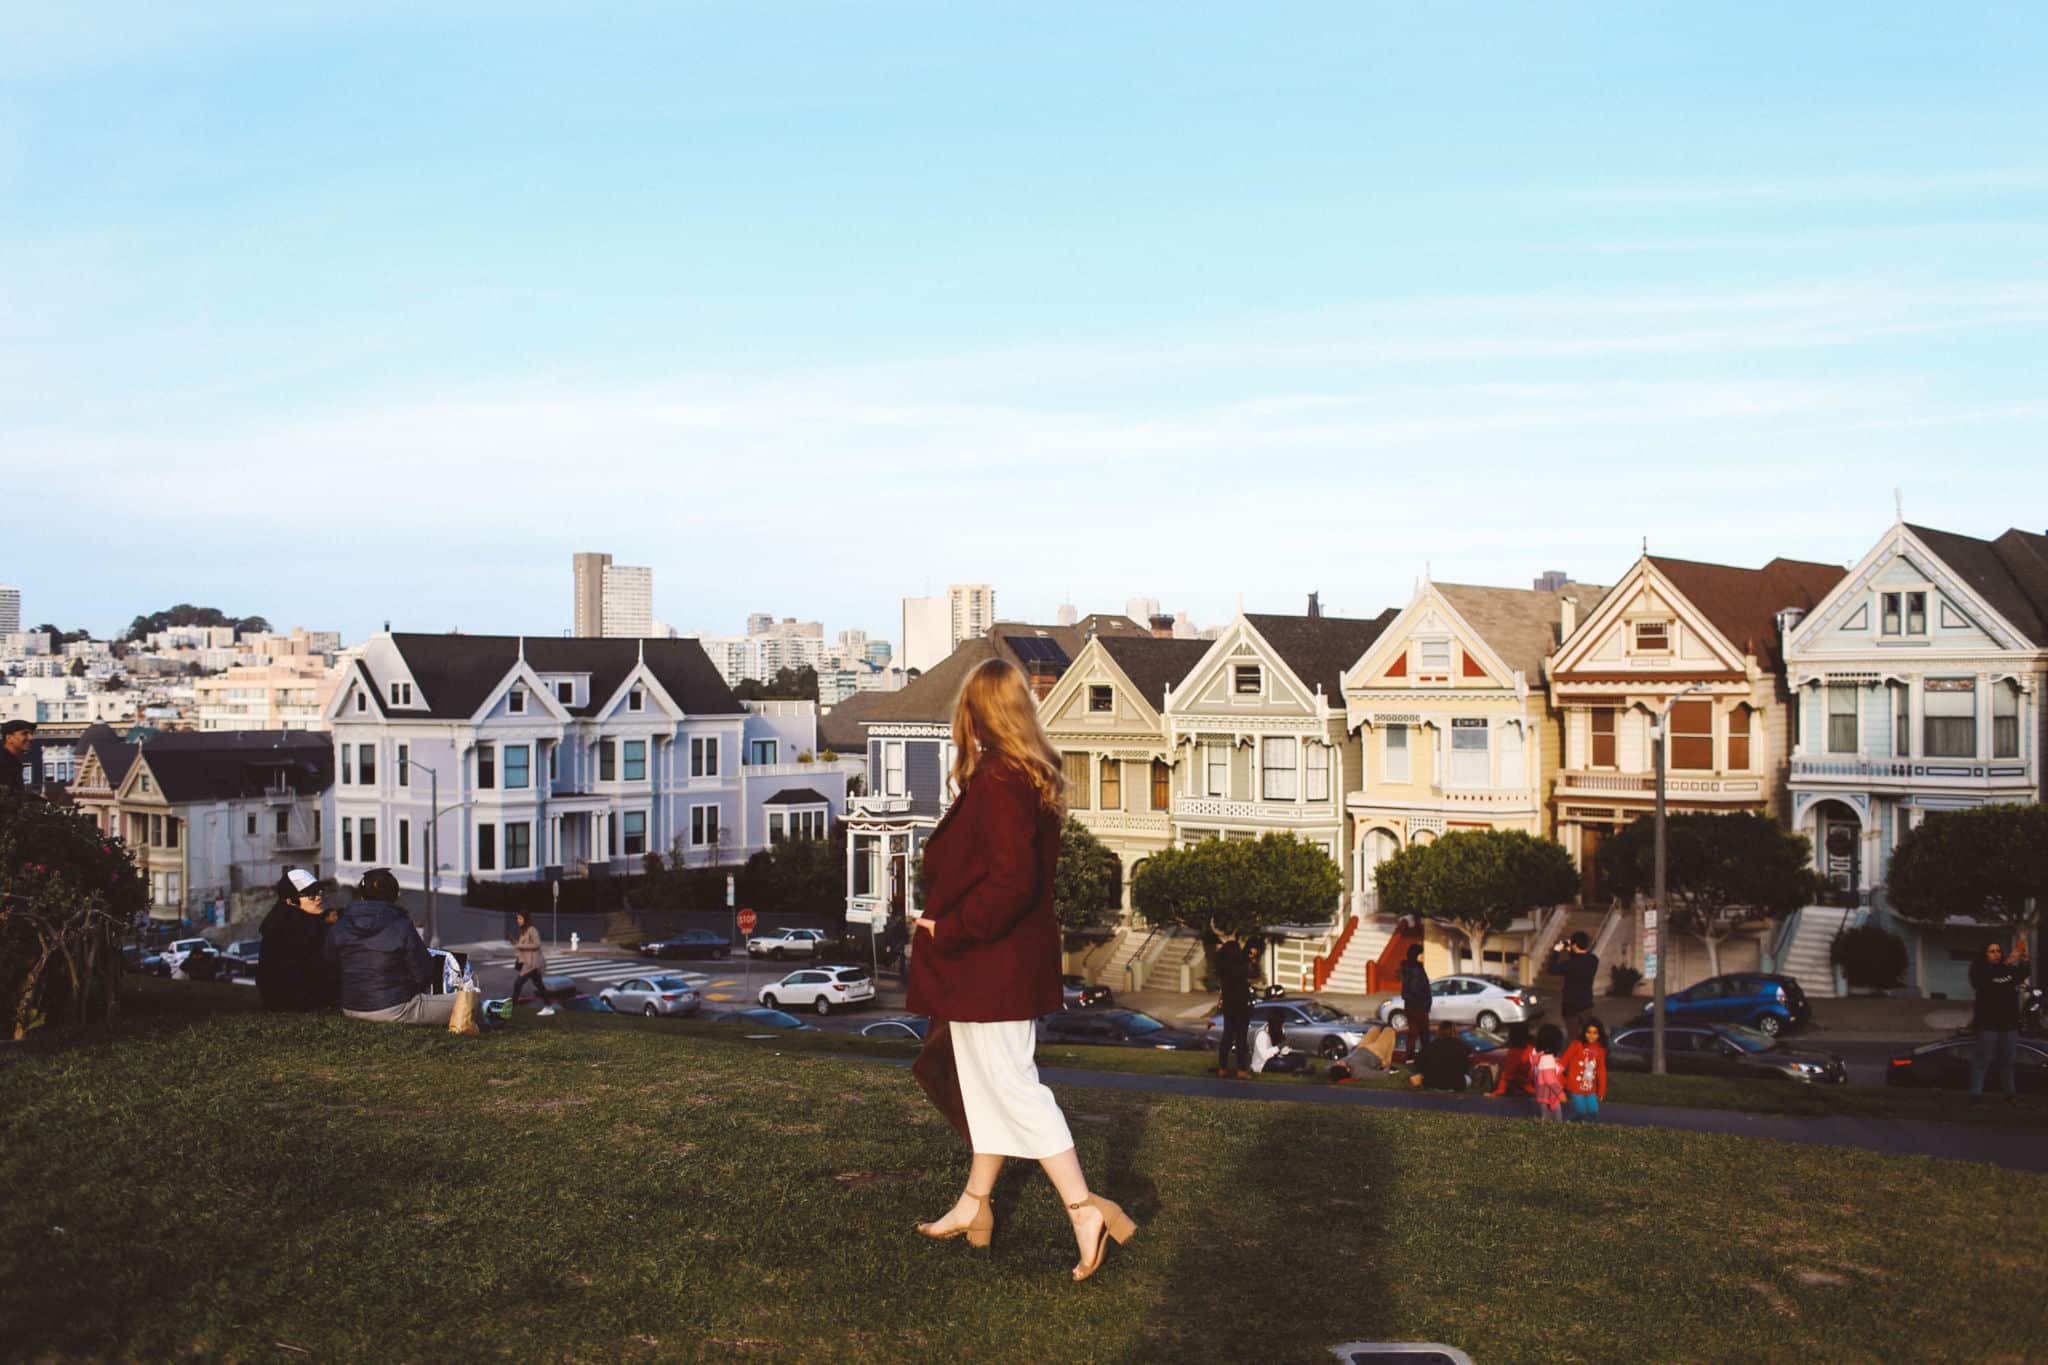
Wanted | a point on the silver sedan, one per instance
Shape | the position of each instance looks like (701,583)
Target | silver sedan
(651,996)
(1309,1025)
(1487,1001)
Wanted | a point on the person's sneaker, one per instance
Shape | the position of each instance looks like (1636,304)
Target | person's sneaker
(545,1011)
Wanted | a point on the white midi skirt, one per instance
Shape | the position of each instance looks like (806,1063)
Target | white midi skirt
(1009,1110)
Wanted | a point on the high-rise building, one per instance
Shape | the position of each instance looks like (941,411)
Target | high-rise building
(758,622)
(1067,614)
(972,608)
(10,610)
(927,632)
(590,592)
(854,643)
(628,601)
(879,653)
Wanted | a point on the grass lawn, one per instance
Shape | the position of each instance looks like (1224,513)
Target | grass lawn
(230,1185)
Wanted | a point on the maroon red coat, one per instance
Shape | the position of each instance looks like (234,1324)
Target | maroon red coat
(988,872)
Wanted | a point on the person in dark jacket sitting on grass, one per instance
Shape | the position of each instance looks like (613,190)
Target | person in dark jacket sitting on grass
(1446,1061)
(292,972)
(387,974)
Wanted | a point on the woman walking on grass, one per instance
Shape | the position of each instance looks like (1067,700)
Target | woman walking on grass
(985,961)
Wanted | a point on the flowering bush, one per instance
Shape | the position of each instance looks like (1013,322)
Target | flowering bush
(66,893)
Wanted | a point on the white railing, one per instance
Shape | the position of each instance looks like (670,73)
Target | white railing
(1676,784)
(1214,808)
(1489,797)
(1856,768)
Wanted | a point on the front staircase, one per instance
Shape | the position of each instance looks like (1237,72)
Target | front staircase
(1807,953)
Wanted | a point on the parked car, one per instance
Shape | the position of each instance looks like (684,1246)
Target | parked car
(240,957)
(1310,1025)
(689,943)
(585,1004)
(183,948)
(136,958)
(1488,1001)
(822,988)
(910,1028)
(1759,999)
(1945,1065)
(781,943)
(652,996)
(1079,993)
(1117,1028)
(770,1019)
(1725,1050)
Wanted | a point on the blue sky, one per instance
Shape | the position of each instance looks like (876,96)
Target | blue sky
(380,311)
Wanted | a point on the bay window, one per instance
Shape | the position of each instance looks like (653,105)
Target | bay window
(1949,718)
(2005,720)
(1842,718)
(1692,736)
(1394,768)
(1278,779)
(1315,768)
(1074,768)
(1471,762)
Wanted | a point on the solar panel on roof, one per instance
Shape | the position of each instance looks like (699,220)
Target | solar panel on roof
(1036,647)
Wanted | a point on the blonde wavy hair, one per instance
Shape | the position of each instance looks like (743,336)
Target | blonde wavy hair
(997,717)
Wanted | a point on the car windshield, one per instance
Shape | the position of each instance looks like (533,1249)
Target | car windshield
(1500,981)
(1749,1039)
(670,983)
(1142,1023)
(1318,1013)
(853,973)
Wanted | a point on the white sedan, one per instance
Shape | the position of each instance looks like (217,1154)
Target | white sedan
(1487,1001)
(824,989)
(786,943)
(651,996)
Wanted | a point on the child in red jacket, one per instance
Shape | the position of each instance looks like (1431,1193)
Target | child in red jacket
(1585,1072)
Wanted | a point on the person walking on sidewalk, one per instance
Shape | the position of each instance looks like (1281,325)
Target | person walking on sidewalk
(1415,1002)
(1234,970)
(1585,1071)
(531,963)
(1999,981)
(986,962)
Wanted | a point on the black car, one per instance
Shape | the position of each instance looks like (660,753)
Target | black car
(136,958)
(1725,1050)
(689,943)
(911,1028)
(1945,1065)
(767,1018)
(1117,1028)
(1080,993)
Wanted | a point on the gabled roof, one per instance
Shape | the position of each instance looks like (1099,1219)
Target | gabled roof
(114,753)
(221,765)
(1744,604)
(1320,648)
(797,796)
(1153,664)
(1522,625)
(2010,573)
(928,699)
(456,674)
(839,729)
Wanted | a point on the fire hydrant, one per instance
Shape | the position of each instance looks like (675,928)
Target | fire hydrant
(575,942)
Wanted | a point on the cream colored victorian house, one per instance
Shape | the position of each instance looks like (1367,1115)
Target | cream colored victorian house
(1703,638)
(1455,733)
(1106,717)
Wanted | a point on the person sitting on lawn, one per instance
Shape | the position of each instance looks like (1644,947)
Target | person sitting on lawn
(1585,1071)
(292,971)
(1518,1067)
(387,974)
(1270,1053)
(1446,1060)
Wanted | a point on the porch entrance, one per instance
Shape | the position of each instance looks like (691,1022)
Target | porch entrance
(1838,847)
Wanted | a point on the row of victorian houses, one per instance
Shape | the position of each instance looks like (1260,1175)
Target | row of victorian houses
(1847,704)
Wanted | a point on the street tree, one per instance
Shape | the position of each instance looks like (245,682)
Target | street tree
(1087,881)
(1238,888)
(1476,882)
(1989,862)
(1721,872)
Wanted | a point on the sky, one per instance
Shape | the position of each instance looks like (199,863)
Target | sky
(378,312)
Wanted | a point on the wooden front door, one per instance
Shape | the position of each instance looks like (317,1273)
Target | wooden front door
(1589,863)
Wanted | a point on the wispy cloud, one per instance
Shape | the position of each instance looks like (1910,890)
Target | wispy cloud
(1819,188)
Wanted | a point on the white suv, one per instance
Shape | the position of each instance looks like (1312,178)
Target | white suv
(822,988)
(785,943)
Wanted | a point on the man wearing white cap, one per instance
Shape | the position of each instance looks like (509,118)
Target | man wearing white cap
(291,973)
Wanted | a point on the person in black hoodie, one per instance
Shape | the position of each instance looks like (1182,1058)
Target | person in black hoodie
(1234,971)
(1415,1002)
(1998,981)
(1574,960)
(292,971)
(387,974)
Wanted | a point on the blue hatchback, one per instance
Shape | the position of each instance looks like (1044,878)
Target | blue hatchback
(1761,1000)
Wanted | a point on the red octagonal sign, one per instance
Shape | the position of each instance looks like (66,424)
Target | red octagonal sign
(746,921)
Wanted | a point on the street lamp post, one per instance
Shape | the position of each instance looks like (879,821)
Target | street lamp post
(433,850)
(1661,735)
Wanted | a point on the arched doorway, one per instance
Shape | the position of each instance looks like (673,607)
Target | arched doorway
(1838,847)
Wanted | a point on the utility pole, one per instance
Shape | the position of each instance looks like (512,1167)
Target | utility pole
(1660,737)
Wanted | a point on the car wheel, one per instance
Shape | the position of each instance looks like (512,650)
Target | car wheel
(1398,1020)
(1488,1020)
(1770,1024)
(770,1001)
(777,954)
(822,1005)
(649,1011)
(1333,1048)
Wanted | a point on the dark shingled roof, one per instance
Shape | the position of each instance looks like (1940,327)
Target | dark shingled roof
(456,673)
(797,796)
(2010,573)
(839,729)
(1320,648)
(929,698)
(115,753)
(1522,625)
(220,765)
(1744,604)
(1153,664)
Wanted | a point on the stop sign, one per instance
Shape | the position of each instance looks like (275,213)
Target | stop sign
(746,921)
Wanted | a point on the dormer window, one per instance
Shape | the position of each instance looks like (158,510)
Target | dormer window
(1101,701)
(362,702)
(1247,680)
(1902,613)
(636,700)
(515,701)
(1653,637)
(401,694)
(1433,656)
(565,692)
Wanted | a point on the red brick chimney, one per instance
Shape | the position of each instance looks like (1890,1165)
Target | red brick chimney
(1043,675)
(1162,627)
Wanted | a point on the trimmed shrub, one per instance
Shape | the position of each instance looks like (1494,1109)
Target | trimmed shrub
(1623,979)
(67,894)
(1870,956)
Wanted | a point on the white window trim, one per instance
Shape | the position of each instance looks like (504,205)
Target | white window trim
(1258,698)
(709,826)
(1406,750)
(895,768)
(1928,616)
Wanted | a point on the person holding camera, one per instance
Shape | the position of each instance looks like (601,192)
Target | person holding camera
(1998,978)
(1574,960)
